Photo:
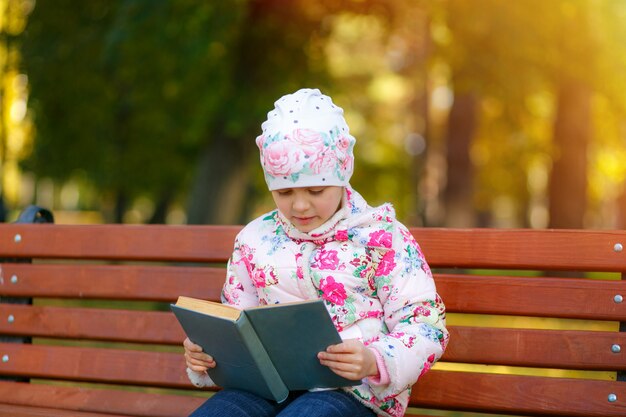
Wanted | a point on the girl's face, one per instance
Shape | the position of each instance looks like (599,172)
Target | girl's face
(307,208)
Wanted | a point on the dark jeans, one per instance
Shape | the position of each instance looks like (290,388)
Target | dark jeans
(235,403)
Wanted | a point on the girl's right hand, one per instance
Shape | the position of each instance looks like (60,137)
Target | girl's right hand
(196,359)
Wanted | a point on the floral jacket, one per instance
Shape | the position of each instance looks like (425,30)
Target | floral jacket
(371,274)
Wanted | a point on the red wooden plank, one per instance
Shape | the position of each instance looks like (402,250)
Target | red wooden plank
(91,324)
(562,349)
(116,366)
(118,282)
(517,394)
(25,411)
(585,250)
(590,250)
(133,242)
(98,400)
(545,297)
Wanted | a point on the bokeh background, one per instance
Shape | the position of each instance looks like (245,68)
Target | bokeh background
(467,113)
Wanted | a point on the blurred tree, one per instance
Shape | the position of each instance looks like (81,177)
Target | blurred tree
(485,45)
(530,64)
(142,104)
(123,93)
(572,126)
(13,16)
(273,53)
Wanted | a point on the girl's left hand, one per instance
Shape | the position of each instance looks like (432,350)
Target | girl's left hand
(350,359)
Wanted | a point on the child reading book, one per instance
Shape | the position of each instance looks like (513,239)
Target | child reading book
(323,241)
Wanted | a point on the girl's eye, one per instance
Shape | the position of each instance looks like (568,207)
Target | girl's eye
(316,191)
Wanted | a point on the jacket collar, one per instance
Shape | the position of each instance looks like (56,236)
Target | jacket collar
(354,213)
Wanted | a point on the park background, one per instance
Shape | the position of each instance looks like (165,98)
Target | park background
(467,113)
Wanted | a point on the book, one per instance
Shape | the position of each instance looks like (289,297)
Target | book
(267,350)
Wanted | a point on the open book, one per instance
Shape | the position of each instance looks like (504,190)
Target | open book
(267,350)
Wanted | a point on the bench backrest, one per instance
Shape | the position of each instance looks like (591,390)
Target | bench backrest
(93,308)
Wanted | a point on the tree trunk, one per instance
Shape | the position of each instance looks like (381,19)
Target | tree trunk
(121,206)
(220,184)
(568,180)
(421,127)
(459,192)
(159,215)
(621,209)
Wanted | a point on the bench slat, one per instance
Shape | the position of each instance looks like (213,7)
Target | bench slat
(587,350)
(95,400)
(120,242)
(562,349)
(519,394)
(575,298)
(544,297)
(583,250)
(26,411)
(91,324)
(116,366)
(116,282)
(464,248)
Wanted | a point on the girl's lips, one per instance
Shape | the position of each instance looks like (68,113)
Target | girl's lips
(304,220)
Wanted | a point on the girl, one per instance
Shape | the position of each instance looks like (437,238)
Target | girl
(324,241)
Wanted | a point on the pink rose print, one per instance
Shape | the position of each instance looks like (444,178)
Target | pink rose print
(279,159)
(341,235)
(349,195)
(264,277)
(428,364)
(343,143)
(310,141)
(380,238)
(421,311)
(245,257)
(327,259)
(299,272)
(333,291)
(386,264)
(374,314)
(325,161)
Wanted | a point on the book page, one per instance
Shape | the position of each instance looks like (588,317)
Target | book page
(209,307)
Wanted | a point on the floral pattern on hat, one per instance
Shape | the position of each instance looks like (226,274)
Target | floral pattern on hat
(306,157)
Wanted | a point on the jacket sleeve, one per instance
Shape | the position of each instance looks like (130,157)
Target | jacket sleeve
(414,315)
(238,289)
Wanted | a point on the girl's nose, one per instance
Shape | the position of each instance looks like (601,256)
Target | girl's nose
(300,204)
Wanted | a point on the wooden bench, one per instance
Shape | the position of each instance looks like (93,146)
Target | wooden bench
(96,336)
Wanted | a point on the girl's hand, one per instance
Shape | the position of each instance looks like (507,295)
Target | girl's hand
(196,359)
(350,359)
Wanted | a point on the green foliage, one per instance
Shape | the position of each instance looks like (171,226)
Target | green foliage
(127,94)
(123,91)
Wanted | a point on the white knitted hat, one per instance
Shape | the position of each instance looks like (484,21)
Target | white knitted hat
(306,142)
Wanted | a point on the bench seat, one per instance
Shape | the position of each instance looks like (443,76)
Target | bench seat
(85,327)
